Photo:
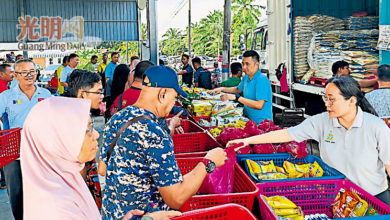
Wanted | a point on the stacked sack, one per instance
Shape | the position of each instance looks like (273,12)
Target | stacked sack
(304,27)
(302,36)
(362,23)
(329,47)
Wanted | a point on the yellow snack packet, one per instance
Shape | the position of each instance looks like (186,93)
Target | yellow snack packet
(272,176)
(279,202)
(296,171)
(360,209)
(268,167)
(286,212)
(253,167)
(315,170)
(280,170)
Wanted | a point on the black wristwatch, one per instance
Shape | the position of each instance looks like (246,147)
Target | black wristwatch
(237,97)
(210,165)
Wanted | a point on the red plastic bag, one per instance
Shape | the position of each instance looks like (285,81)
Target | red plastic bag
(296,149)
(222,179)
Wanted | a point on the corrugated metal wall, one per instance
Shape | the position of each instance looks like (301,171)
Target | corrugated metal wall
(104,19)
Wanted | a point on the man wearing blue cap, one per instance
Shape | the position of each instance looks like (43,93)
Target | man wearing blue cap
(141,167)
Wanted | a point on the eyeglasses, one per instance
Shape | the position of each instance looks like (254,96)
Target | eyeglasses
(90,128)
(98,93)
(330,100)
(24,74)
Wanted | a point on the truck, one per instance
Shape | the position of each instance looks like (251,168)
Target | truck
(273,39)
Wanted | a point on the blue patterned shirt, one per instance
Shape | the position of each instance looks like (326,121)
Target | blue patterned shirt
(142,160)
(380,101)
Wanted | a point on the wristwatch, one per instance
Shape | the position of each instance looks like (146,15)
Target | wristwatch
(237,97)
(210,165)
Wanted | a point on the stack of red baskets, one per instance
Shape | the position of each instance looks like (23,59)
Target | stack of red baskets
(190,148)
(9,145)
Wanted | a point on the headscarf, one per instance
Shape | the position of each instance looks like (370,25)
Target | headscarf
(52,136)
(121,74)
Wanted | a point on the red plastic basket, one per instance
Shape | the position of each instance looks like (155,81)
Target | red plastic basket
(189,127)
(221,212)
(314,196)
(244,189)
(9,145)
(189,155)
(193,142)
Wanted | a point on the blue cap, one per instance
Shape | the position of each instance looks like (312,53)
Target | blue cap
(163,77)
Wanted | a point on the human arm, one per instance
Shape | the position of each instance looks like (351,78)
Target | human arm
(279,136)
(174,123)
(176,195)
(159,215)
(255,104)
(64,84)
(182,72)
(233,90)
(364,83)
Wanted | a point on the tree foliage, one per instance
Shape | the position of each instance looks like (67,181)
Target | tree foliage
(207,34)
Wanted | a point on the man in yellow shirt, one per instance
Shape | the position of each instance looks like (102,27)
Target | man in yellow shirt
(101,69)
(65,62)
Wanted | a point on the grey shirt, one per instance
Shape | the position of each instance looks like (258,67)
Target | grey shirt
(380,100)
(359,153)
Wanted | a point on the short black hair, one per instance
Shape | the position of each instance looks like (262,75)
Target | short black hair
(251,53)
(235,68)
(19,55)
(134,58)
(383,73)
(114,53)
(3,67)
(141,68)
(186,56)
(339,64)
(82,79)
(65,59)
(196,60)
(94,57)
(73,55)
(104,55)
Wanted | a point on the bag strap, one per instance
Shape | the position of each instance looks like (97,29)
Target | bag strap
(109,152)
(120,103)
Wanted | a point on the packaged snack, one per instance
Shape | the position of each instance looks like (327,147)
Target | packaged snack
(371,211)
(200,108)
(253,167)
(280,169)
(360,209)
(288,212)
(268,167)
(272,176)
(222,109)
(344,203)
(296,171)
(279,202)
(315,170)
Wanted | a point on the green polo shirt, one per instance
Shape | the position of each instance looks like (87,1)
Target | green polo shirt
(232,82)
(89,67)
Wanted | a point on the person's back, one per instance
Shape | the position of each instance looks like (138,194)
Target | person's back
(380,98)
(205,79)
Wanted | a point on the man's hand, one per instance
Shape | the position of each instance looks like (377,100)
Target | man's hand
(217,155)
(226,97)
(175,120)
(163,215)
(215,91)
(132,213)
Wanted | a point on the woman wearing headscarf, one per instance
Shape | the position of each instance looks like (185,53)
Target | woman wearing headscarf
(121,74)
(52,157)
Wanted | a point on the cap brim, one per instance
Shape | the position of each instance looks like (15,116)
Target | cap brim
(181,92)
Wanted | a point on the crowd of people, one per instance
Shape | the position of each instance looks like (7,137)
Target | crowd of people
(57,173)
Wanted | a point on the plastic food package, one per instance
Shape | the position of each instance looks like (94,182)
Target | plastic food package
(344,204)
(222,179)
(279,202)
(223,108)
(296,149)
